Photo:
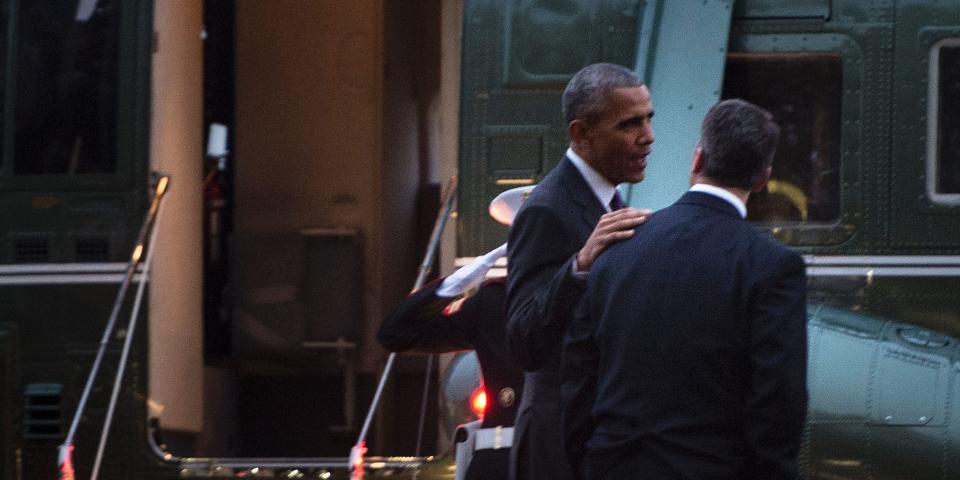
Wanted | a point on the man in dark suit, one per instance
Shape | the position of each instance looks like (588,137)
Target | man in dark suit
(564,225)
(687,358)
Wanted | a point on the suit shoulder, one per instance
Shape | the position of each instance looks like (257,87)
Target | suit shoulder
(545,208)
(774,251)
(766,240)
(547,191)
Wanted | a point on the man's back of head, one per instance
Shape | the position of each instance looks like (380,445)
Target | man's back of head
(738,140)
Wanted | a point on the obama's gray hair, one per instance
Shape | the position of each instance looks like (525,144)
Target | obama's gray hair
(586,94)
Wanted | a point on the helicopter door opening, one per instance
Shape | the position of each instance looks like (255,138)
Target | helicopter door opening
(320,188)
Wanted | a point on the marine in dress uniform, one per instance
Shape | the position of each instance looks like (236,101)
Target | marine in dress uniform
(445,316)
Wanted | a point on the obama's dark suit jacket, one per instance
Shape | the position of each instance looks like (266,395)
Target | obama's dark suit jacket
(687,358)
(542,293)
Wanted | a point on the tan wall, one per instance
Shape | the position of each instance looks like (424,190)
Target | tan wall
(448,126)
(448,110)
(176,342)
(308,112)
(309,124)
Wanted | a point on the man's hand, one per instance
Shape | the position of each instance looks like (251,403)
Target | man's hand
(612,227)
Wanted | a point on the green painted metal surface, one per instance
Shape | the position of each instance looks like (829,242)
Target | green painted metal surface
(782,9)
(865,189)
(882,372)
(62,205)
(917,221)
(681,57)
(517,58)
(58,330)
(854,166)
(9,380)
(75,136)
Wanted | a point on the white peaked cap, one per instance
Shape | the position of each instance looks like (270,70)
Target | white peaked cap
(504,207)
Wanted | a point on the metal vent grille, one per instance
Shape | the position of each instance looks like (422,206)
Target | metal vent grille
(91,250)
(43,411)
(32,250)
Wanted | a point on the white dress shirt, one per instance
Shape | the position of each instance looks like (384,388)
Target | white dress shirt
(724,194)
(602,188)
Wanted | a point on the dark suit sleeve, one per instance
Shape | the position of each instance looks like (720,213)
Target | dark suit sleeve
(777,400)
(421,323)
(579,370)
(542,291)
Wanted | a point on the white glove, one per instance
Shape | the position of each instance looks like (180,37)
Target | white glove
(471,274)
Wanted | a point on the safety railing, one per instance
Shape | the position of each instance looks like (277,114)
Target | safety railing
(359,449)
(144,241)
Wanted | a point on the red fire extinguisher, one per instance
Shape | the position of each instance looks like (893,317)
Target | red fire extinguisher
(215,194)
(214,201)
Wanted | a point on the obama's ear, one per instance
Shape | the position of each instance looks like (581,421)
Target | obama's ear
(579,132)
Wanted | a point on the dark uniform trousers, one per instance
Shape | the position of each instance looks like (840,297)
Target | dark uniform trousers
(428,323)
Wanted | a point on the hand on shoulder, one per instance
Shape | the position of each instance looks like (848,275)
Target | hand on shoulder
(612,227)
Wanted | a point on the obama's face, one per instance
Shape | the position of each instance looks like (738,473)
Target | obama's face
(616,142)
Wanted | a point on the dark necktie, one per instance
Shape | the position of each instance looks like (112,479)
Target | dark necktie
(616,203)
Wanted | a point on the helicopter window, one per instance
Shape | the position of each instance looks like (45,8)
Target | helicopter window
(803,92)
(66,87)
(945,120)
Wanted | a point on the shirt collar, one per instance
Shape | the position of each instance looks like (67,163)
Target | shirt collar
(601,188)
(724,194)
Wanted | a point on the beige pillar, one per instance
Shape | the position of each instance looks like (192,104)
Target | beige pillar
(176,317)
(449,124)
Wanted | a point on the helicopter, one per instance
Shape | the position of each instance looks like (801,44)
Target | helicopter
(866,185)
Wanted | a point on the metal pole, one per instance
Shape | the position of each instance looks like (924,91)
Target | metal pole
(65,450)
(121,368)
(358,450)
(423,404)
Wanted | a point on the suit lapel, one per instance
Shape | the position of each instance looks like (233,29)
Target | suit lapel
(579,192)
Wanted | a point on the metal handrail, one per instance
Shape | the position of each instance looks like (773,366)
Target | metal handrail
(65,451)
(127,343)
(359,449)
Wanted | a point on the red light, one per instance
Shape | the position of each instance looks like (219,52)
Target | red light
(478,402)
(66,463)
(356,460)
